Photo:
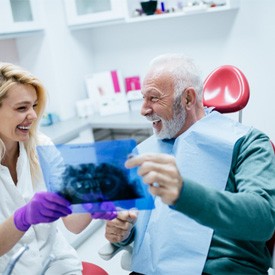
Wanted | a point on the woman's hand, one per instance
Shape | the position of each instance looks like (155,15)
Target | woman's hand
(44,207)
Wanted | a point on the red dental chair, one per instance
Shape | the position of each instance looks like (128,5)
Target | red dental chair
(227,89)
(92,269)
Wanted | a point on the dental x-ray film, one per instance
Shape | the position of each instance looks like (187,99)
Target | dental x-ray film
(91,174)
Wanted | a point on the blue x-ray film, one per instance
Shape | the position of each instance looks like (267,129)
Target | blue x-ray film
(91,174)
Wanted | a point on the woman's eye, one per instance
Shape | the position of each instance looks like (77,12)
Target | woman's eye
(22,108)
(154,99)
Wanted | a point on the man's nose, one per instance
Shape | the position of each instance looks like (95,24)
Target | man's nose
(145,109)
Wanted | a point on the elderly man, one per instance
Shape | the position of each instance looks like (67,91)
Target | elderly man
(212,178)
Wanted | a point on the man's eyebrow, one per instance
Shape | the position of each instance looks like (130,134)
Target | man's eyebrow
(151,91)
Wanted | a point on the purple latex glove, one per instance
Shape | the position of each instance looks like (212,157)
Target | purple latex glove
(44,207)
(107,211)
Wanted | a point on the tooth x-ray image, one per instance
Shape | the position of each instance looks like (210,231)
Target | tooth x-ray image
(94,173)
(97,183)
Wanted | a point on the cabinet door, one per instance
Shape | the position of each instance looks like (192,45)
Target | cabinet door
(93,11)
(19,16)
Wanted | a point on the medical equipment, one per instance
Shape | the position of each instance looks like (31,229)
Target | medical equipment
(14,259)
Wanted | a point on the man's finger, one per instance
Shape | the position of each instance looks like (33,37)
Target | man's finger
(152,157)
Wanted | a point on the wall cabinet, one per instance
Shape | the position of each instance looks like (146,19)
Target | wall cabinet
(19,17)
(83,13)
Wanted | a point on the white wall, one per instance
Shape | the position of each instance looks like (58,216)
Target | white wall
(58,59)
(245,38)
(8,52)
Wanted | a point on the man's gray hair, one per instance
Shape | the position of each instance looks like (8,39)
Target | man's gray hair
(183,71)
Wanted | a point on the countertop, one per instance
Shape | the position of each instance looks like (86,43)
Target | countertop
(64,131)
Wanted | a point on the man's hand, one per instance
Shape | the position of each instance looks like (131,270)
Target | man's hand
(160,172)
(119,229)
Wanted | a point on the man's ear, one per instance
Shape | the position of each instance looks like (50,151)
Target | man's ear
(189,97)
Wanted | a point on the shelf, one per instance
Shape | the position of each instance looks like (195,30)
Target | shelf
(186,11)
(122,14)
(87,25)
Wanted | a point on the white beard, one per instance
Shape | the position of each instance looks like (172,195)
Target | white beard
(170,128)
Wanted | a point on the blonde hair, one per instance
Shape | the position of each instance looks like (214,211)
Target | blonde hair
(11,75)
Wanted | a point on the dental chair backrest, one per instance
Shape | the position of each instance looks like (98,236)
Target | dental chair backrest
(226,89)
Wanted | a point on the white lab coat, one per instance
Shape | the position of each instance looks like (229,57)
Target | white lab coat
(42,239)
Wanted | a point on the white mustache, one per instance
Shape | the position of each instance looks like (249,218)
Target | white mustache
(153,118)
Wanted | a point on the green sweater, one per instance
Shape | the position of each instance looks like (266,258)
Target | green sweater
(243,216)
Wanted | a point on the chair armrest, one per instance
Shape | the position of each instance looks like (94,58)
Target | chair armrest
(126,258)
(108,251)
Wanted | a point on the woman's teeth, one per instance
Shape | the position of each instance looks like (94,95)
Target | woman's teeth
(23,127)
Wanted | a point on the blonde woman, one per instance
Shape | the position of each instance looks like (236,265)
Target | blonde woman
(27,212)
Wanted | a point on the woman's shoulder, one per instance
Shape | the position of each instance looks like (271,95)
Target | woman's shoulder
(42,139)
